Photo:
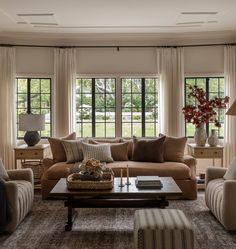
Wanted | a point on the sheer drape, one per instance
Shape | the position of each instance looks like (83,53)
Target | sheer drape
(64,94)
(230,90)
(7,106)
(170,67)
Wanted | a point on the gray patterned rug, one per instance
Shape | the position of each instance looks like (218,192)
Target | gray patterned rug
(105,228)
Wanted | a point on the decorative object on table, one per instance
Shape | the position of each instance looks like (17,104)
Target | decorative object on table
(127,174)
(200,135)
(31,123)
(213,138)
(203,112)
(148,182)
(93,175)
(121,185)
(91,170)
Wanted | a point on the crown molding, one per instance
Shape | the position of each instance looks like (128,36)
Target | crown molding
(65,39)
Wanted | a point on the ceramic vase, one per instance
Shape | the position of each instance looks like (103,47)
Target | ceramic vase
(213,138)
(200,135)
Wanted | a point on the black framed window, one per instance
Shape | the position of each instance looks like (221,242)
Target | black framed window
(34,96)
(95,107)
(214,87)
(139,107)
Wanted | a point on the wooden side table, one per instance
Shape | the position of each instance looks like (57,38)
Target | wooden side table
(31,157)
(206,152)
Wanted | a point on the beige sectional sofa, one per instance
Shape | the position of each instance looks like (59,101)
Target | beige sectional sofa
(184,172)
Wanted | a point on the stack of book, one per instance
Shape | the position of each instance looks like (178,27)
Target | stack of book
(148,182)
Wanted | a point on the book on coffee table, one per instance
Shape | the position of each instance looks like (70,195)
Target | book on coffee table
(148,182)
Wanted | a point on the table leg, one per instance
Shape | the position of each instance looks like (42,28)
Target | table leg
(164,203)
(71,215)
(213,161)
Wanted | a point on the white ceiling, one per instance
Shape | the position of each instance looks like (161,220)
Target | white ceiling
(116,16)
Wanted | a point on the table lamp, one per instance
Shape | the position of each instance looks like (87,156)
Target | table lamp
(232,110)
(31,123)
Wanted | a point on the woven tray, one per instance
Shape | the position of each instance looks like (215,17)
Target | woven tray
(105,183)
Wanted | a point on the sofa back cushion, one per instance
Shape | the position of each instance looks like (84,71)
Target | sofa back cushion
(174,148)
(101,152)
(119,151)
(58,152)
(148,150)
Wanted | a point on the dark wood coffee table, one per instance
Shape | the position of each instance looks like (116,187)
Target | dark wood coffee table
(127,196)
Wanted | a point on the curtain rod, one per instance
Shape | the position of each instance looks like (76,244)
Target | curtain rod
(118,46)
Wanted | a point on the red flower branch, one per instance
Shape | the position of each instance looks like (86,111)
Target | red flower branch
(205,111)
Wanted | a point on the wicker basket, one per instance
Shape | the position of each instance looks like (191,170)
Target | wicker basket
(36,167)
(105,183)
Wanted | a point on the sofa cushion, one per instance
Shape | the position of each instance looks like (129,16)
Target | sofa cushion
(174,169)
(3,172)
(174,148)
(105,140)
(101,152)
(179,171)
(58,152)
(150,150)
(73,150)
(59,170)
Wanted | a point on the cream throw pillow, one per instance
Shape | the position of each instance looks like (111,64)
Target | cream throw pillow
(101,152)
(3,172)
(230,174)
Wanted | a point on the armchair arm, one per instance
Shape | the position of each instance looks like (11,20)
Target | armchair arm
(12,193)
(214,173)
(21,174)
(191,163)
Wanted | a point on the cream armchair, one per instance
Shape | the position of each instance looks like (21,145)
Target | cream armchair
(220,197)
(20,194)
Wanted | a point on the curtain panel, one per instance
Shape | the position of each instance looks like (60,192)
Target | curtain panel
(64,92)
(170,67)
(230,90)
(7,106)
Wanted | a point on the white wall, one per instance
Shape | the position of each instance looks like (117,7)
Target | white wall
(198,61)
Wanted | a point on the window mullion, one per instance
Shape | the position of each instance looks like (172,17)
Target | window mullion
(93,109)
(143,106)
(28,96)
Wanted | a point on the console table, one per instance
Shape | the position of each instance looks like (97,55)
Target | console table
(33,155)
(206,152)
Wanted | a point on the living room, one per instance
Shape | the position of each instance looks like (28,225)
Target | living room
(88,68)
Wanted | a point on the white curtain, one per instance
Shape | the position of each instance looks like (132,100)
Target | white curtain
(170,67)
(64,94)
(230,90)
(7,106)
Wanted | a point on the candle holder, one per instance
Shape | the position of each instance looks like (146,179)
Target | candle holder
(127,174)
(121,185)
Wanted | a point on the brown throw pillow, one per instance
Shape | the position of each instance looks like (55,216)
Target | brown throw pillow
(174,148)
(150,150)
(119,151)
(58,151)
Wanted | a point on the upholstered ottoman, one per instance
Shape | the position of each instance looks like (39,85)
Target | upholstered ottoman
(162,229)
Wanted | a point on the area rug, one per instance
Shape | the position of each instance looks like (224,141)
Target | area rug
(106,228)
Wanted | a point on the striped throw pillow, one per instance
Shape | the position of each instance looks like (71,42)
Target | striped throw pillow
(101,152)
(73,150)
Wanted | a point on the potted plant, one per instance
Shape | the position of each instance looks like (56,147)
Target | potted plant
(91,169)
(203,112)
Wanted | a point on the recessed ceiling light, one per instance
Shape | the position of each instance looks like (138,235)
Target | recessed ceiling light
(200,13)
(37,14)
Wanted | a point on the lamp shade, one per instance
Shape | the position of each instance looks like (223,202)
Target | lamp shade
(232,110)
(31,122)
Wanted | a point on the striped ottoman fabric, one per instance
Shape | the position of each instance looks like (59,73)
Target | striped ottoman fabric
(162,229)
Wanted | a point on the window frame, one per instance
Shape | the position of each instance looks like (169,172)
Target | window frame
(143,104)
(93,107)
(207,78)
(28,97)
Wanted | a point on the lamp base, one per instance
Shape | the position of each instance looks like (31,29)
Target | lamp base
(31,138)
